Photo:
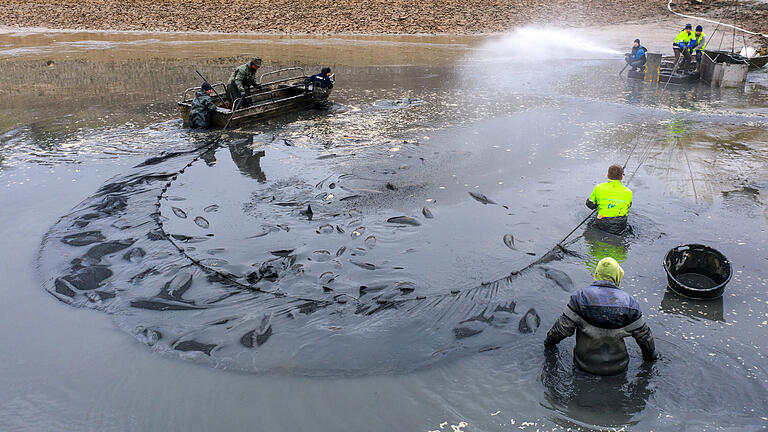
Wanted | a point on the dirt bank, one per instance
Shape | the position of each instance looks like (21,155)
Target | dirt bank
(747,14)
(321,16)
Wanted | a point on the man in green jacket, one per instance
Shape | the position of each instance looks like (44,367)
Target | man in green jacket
(612,201)
(681,47)
(241,81)
(202,106)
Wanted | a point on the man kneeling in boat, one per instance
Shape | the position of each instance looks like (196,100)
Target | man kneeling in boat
(240,82)
(636,58)
(202,106)
(602,315)
(612,201)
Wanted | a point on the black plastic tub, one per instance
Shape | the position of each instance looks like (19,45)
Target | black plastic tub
(697,271)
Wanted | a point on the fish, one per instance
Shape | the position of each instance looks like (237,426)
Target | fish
(163,306)
(404,220)
(327,278)
(427,213)
(324,229)
(509,240)
(529,322)
(481,198)
(367,266)
(83,238)
(176,287)
(202,222)
(560,278)
(468,329)
(365,289)
(193,345)
(308,212)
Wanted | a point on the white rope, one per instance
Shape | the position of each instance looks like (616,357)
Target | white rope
(669,6)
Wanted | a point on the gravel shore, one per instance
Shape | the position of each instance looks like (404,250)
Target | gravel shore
(358,16)
(321,16)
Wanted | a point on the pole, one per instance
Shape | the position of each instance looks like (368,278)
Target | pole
(622,69)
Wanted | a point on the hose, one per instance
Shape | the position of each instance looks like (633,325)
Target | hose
(669,7)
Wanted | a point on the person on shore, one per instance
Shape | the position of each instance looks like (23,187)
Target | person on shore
(202,106)
(240,82)
(612,201)
(636,59)
(681,47)
(698,43)
(602,315)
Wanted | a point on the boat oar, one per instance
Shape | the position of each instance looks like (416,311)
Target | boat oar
(212,88)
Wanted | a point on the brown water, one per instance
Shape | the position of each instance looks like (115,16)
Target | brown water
(417,122)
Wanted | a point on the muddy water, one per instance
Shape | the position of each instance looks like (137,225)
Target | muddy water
(196,292)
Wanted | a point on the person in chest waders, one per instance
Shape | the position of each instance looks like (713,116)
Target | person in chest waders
(602,315)
(240,82)
(321,85)
(202,106)
(612,201)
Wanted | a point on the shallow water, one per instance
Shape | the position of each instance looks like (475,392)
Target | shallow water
(370,314)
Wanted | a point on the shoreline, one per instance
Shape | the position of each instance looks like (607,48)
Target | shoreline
(357,18)
(321,17)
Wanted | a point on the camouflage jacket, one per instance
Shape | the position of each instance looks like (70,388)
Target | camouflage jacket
(243,76)
(199,113)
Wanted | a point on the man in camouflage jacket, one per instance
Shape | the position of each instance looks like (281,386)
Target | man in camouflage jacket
(202,106)
(241,81)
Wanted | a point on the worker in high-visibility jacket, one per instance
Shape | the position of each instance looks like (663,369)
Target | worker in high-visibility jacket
(681,46)
(698,43)
(612,201)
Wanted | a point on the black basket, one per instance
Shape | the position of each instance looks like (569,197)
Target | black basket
(697,271)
